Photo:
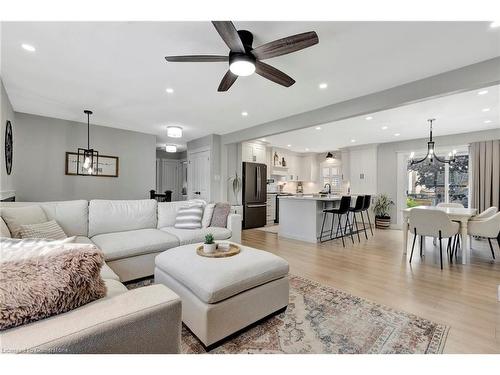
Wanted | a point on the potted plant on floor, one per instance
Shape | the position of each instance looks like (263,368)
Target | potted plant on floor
(381,209)
(209,245)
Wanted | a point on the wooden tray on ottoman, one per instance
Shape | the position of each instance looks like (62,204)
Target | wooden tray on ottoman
(233,250)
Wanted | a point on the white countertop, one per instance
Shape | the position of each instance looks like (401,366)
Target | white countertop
(311,197)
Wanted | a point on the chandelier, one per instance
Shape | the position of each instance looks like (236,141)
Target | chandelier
(431,154)
(87,158)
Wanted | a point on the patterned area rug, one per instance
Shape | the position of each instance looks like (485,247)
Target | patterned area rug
(321,319)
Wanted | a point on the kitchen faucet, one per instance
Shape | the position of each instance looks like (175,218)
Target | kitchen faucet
(329,188)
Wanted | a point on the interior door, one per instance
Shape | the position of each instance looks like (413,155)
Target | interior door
(170,176)
(199,175)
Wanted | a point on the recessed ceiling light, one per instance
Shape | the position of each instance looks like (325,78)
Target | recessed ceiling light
(384,127)
(307,149)
(171,148)
(369,118)
(353,140)
(482,92)
(174,131)
(495,24)
(244,114)
(318,128)
(323,85)
(487,121)
(169,90)
(28,47)
(288,145)
(397,134)
(486,109)
(263,139)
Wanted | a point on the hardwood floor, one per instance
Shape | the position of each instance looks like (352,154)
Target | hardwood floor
(463,297)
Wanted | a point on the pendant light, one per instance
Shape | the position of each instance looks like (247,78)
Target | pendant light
(431,151)
(87,159)
(329,156)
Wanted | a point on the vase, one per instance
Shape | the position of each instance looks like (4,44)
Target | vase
(209,248)
(382,222)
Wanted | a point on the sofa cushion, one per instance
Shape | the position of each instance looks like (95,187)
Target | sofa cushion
(108,216)
(83,239)
(167,211)
(108,274)
(14,217)
(187,236)
(213,280)
(114,288)
(189,217)
(120,245)
(72,216)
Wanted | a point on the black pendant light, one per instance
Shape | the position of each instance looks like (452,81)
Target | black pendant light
(87,159)
(329,156)
(431,152)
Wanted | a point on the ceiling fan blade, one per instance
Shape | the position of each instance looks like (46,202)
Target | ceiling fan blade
(286,45)
(227,81)
(230,35)
(273,74)
(197,58)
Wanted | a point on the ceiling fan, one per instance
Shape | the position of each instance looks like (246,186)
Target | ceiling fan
(244,60)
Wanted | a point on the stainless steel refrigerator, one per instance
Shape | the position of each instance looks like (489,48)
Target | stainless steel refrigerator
(254,195)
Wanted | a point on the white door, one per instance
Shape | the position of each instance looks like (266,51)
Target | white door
(199,175)
(170,178)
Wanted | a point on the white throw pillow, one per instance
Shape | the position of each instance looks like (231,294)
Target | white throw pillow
(25,248)
(14,217)
(207,215)
(189,217)
(49,230)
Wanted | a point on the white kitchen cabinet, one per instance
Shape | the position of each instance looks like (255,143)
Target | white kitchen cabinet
(253,152)
(270,209)
(309,169)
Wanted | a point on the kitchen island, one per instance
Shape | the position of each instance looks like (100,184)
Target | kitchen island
(301,216)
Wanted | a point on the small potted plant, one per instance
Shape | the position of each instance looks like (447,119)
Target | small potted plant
(381,209)
(209,246)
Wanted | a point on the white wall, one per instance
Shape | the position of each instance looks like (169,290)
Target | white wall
(7,185)
(39,160)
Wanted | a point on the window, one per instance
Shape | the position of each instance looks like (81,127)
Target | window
(433,183)
(331,175)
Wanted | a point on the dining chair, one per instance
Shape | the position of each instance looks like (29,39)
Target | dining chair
(451,205)
(433,223)
(485,214)
(488,228)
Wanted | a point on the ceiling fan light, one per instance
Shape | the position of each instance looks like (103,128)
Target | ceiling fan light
(241,65)
(171,148)
(174,131)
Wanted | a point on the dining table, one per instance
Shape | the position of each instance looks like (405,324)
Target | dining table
(458,214)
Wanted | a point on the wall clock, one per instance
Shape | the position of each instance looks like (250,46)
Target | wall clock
(8,147)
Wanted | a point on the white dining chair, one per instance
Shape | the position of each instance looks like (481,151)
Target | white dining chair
(451,205)
(488,228)
(485,214)
(433,223)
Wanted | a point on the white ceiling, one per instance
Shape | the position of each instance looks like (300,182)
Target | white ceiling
(118,70)
(459,113)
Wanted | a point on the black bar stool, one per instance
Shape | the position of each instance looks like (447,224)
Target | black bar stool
(343,209)
(358,208)
(366,206)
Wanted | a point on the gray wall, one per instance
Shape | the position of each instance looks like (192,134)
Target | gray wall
(39,160)
(387,157)
(6,113)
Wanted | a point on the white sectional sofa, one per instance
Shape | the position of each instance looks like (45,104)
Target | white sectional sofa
(130,233)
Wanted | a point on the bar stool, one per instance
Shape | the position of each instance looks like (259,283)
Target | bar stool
(358,208)
(343,209)
(366,206)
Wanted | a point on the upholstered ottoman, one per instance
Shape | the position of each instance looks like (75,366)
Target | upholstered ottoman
(221,296)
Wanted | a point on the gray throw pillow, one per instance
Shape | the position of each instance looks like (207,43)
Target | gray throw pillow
(219,217)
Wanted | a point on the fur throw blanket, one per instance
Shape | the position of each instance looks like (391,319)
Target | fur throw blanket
(40,278)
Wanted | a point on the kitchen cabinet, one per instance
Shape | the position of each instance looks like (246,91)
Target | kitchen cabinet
(270,209)
(253,152)
(309,169)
